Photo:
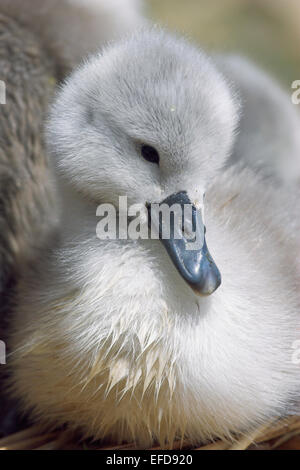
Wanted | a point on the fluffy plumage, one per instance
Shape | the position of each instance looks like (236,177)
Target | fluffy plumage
(70,29)
(27,195)
(107,337)
(40,42)
(268,139)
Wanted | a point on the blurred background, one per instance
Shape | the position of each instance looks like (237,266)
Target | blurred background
(268,31)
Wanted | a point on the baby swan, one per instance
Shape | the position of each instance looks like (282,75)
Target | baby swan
(109,337)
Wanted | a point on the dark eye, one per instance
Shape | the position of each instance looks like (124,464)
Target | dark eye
(150,154)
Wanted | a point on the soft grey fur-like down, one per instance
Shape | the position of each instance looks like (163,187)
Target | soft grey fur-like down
(107,337)
(40,41)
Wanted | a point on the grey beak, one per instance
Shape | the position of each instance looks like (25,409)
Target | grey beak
(190,256)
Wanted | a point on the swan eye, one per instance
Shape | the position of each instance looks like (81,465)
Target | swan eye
(150,154)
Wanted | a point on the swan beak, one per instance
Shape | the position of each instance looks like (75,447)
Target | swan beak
(185,242)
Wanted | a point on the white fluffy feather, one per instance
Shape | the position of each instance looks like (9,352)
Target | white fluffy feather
(269,129)
(74,28)
(108,337)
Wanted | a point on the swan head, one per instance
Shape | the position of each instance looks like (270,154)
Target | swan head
(149,118)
